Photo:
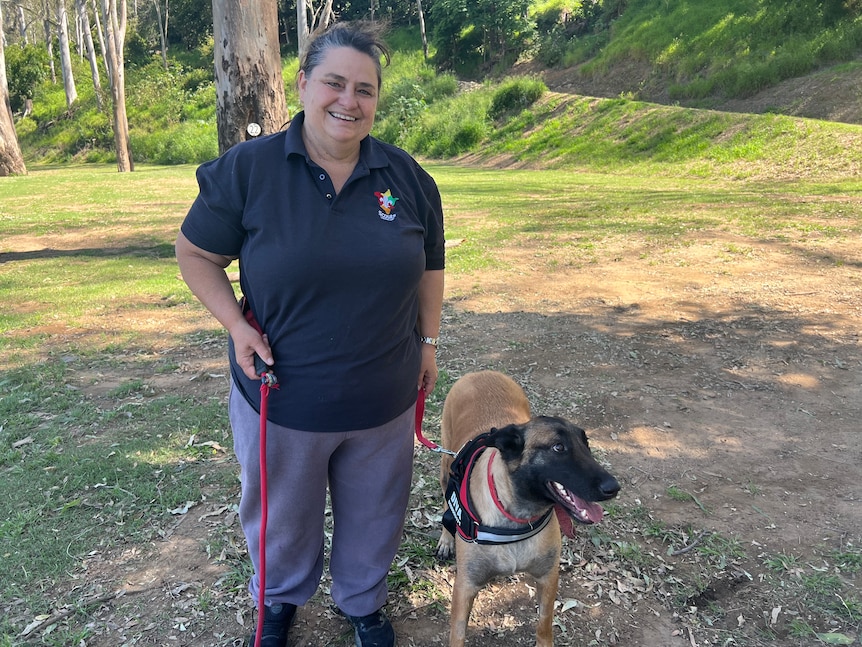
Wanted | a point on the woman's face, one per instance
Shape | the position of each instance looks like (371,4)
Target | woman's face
(339,97)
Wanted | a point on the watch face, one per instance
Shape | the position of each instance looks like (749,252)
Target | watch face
(253,129)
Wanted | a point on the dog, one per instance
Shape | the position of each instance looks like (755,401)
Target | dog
(523,469)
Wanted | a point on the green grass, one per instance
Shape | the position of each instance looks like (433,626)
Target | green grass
(85,432)
(732,48)
(84,477)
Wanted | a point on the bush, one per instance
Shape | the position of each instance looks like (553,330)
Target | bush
(552,46)
(186,143)
(450,127)
(26,68)
(514,95)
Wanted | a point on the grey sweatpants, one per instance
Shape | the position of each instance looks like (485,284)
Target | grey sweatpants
(368,472)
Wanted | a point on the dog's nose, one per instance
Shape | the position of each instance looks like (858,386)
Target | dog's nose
(609,487)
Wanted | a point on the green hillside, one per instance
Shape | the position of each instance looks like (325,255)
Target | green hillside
(712,66)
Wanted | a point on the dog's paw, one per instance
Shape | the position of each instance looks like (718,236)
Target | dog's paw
(445,546)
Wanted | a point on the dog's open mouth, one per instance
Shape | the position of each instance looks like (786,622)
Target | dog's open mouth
(578,509)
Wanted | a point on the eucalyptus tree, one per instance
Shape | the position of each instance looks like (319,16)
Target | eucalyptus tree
(250,97)
(89,48)
(114,17)
(11,159)
(65,53)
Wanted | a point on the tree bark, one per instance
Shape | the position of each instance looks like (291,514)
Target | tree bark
(422,29)
(65,54)
(101,33)
(249,85)
(11,160)
(163,30)
(89,47)
(301,26)
(22,23)
(115,32)
(49,42)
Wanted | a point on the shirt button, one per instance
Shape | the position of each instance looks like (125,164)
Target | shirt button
(322,176)
(329,196)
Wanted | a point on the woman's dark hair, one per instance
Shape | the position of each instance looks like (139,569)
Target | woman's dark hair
(361,35)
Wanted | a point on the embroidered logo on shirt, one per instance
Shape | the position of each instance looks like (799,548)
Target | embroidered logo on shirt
(387,203)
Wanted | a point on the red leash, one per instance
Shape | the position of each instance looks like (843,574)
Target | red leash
(268,381)
(420,413)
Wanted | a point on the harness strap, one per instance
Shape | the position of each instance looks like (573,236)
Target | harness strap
(493,488)
(464,520)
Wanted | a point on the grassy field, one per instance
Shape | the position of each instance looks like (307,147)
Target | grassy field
(87,268)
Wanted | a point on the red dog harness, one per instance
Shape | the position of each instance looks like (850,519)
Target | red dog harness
(460,515)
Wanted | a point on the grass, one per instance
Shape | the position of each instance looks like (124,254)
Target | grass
(732,48)
(96,457)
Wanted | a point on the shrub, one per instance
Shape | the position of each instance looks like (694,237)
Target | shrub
(26,67)
(450,127)
(514,95)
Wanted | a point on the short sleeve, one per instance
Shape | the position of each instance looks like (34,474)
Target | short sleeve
(214,221)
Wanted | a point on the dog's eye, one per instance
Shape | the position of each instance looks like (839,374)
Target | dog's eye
(560,448)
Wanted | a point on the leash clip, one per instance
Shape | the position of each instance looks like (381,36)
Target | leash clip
(267,377)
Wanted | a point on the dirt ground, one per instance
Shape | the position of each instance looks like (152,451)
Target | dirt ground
(731,376)
(725,369)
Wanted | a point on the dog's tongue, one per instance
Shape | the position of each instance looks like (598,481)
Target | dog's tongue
(565,520)
(593,511)
(587,512)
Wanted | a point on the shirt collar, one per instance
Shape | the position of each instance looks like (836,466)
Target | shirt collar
(370,151)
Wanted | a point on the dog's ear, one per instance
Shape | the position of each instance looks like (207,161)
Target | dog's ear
(509,440)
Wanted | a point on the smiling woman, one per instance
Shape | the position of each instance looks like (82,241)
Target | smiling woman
(341,249)
(339,98)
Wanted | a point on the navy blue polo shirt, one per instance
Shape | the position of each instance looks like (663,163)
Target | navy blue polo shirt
(332,279)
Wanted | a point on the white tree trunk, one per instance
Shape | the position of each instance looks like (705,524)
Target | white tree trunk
(163,29)
(49,42)
(65,54)
(422,29)
(11,160)
(22,23)
(115,31)
(301,26)
(96,11)
(89,47)
(249,85)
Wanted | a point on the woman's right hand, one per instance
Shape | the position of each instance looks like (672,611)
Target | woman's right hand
(204,273)
(246,343)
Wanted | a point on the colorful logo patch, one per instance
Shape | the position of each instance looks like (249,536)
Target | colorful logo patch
(386,201)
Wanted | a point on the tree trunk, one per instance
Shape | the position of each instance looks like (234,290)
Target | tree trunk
(11,160)
(65,54)
(301,26)
(163,30)
(102,47)
(249,85)
(22,23)
(49,42)
(422,30)
(89,47)
(115,32)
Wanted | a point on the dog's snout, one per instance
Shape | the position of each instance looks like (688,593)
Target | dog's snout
(609,487)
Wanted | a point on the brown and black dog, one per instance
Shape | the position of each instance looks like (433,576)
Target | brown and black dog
(531,466)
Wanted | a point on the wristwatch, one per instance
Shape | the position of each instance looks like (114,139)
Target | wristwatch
(429,340)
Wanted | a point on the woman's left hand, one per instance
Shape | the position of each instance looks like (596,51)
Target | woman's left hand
(428,368)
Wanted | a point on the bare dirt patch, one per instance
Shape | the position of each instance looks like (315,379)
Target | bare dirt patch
(831,94)
(718,379)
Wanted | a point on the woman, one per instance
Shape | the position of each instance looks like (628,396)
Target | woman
(341,250)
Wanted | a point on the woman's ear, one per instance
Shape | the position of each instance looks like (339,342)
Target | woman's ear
(509,440)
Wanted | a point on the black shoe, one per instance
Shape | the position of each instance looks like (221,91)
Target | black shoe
(373,630)
(276,623)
